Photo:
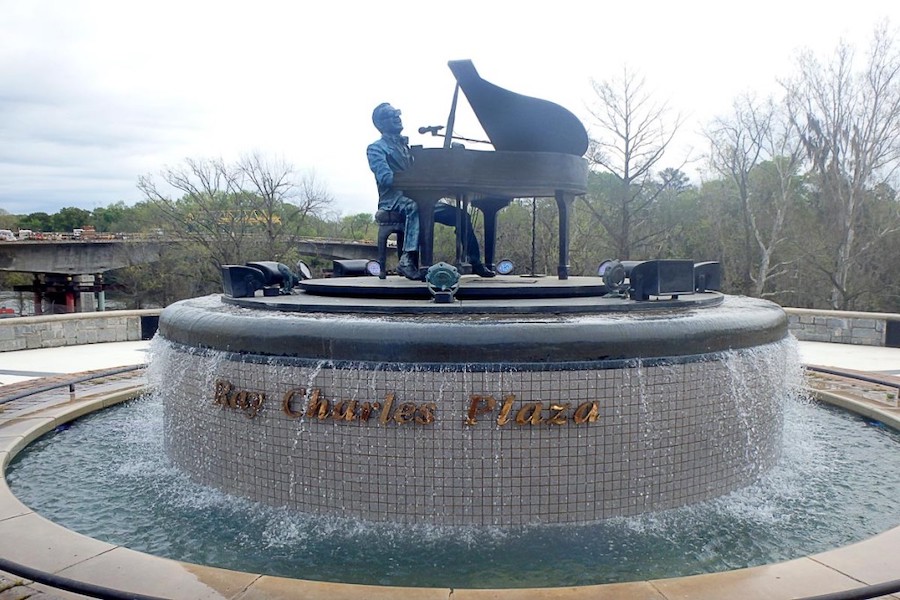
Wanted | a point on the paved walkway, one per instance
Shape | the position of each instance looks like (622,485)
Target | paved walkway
(846,356)
(25,365)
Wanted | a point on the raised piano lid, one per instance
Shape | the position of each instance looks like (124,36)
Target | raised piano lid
(516,122)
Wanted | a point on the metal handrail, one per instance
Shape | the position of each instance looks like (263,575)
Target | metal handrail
(70,383)
(854,375)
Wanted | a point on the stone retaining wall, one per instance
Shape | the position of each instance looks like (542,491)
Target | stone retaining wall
(843,327)
(50,331)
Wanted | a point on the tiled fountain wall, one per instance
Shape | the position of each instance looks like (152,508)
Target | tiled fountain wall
(474,446)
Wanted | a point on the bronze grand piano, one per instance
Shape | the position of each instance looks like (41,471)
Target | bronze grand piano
(538,153)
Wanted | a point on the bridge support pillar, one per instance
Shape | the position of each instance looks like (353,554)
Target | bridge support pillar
(101,293)
(84,287)
(66,293)
(38,291)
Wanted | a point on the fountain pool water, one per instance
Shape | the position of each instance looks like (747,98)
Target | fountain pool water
(107,476)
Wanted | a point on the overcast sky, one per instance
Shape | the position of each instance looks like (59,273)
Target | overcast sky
(95,94)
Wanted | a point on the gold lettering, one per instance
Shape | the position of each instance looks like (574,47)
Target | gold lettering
(286,407)
(534,418)
(405,413)
(254,403)
(385,415)
(425,413)
(318,407)
(558,413)
(222,391)
(479,405)
(503,417)
(345,410)
(250,403)
(365,410)
(587,412)
(238,400)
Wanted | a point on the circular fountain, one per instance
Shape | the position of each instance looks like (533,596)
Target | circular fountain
(498,401)
(557,408)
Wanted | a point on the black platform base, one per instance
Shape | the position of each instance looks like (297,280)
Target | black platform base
(471,287)
(476,295)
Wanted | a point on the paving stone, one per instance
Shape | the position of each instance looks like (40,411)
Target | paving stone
(13,588)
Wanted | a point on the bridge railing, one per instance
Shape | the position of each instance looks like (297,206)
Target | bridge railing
(67,236)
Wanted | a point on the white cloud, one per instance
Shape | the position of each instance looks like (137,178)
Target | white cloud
(95,94)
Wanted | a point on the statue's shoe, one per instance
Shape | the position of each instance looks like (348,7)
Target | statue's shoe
(409,271)
(481,270)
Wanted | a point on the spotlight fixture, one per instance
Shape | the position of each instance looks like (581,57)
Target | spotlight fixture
(613,274)
(355,267)
(707,276)
(373,268)
(505,267)
(241,281)
(303,270)
(663,277)
(272,277)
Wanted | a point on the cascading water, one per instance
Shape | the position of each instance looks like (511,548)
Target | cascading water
(455,420)
(108,476)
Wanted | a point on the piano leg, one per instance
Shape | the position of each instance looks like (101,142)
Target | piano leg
(489,207)
(462,234)
(564,205)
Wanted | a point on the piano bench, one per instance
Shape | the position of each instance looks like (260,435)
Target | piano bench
(388,222)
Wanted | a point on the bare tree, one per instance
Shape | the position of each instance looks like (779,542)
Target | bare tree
(313,196)
(205,210)
(254,209)
(632,134)
(850,126)
(756,133)
(282,201)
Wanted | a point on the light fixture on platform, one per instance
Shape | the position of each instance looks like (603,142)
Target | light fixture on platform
(355,267)
(272,277)
(373,268)
(613,274)
(662,277)
(505,267)
(707,276)
(303,270)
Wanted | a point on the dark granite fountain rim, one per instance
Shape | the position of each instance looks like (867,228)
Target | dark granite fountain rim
(452,338)
(358,365)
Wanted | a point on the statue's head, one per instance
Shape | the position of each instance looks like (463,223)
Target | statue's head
(387,118)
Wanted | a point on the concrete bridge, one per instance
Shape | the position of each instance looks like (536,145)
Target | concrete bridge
(73,257)
(69,273)
(337,249)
